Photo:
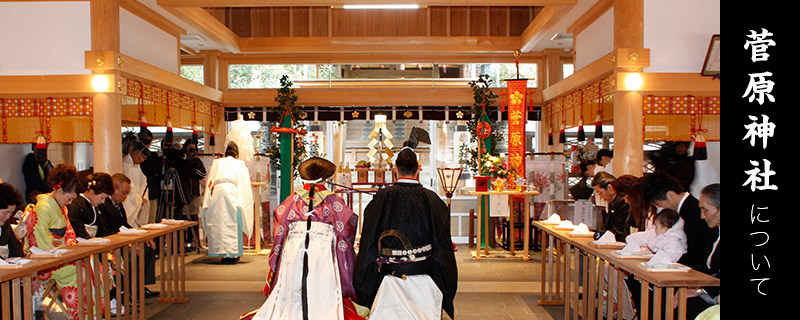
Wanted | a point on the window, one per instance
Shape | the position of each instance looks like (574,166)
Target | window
(193,72)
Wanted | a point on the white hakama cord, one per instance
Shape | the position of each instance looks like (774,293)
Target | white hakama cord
(323,284)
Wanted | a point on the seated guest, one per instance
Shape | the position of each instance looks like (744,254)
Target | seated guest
(616,217)
(112,210)
(47,226)
(114,216)
(642,212)
(314,232)
(10,200)
(82,211)
(664,191)
(406,217)
(703,298)
(667,239)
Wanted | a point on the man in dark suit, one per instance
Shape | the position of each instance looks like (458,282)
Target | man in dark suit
(112,211)
(664,191)
(114,216)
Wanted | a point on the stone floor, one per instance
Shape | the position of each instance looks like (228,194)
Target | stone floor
(500,287)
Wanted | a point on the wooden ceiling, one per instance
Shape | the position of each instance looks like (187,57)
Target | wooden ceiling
(317,26)
(321,21)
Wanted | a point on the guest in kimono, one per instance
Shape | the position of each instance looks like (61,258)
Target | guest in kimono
(83,214)
(406,233)
(47,227)
(314,231)
(616,217)
(227,208)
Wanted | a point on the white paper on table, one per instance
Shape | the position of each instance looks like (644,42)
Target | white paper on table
(581,229)
(499,205)
(154,226)
(125,231)
(553,219)
(607,238)
(37,250)
(566,224)
(93,240)
(660,259)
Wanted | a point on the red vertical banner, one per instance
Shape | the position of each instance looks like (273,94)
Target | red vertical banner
(517,89)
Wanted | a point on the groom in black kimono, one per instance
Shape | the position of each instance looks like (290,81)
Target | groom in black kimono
(424,219)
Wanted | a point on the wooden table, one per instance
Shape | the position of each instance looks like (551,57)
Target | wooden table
(565,253)
(17,304)
(483,195)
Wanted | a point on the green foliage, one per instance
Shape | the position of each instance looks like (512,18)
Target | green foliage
(193,72)
(482,96)
(286,99)
(253,76)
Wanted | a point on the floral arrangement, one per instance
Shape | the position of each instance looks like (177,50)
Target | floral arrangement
(498,166)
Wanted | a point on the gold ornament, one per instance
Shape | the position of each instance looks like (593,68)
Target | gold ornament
(303,115)
(459,114)
(251,115)
(407,114)
(120,62)
(99,60)
(355,114)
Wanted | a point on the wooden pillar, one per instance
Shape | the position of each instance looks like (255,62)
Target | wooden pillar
(211,68)
(554,68)
(107,117)
(628,139)
(628,23)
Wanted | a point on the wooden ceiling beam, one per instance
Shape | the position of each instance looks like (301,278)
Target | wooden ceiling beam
(378,44)
(206,24)
(535,30)
(370,57)
(335,3)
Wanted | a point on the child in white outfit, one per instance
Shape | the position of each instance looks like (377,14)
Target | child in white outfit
(667,240)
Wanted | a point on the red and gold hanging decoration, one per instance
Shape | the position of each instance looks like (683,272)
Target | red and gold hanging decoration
(517,94)
(158,103)
(581,133)
(681,118)
(59,120)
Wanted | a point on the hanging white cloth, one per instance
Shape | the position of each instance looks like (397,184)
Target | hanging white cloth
(324,292)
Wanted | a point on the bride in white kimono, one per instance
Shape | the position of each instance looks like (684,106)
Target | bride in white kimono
(227,209)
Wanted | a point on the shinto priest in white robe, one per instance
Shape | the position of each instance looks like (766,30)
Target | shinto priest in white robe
(135,206)
(227,208)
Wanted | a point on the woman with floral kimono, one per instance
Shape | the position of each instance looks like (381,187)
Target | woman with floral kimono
(48,227)
(311,263)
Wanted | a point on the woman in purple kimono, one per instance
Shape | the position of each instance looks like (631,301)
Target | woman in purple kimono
(311,263)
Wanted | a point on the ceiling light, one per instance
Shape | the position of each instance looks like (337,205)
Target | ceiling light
(381,6)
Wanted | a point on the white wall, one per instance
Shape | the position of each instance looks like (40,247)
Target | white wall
(678,33)
(595,41)
(44,38)
(143,41)
(12,156)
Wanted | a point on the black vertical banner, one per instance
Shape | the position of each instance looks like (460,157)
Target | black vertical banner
(762,179)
